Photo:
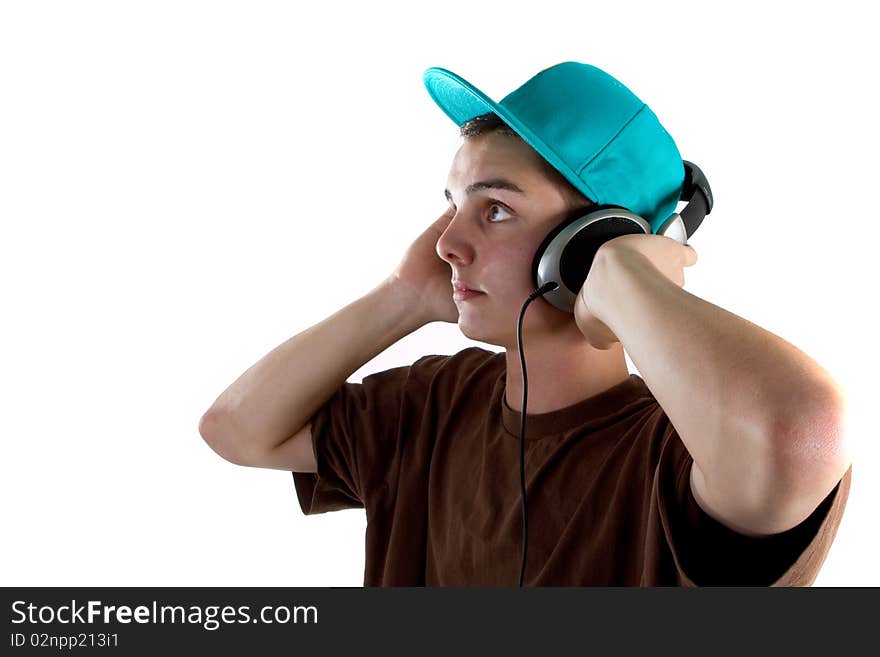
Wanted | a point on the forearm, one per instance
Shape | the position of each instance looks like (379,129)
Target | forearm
(724,382)
(278,395)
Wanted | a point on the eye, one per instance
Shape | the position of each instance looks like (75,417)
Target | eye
(498,206)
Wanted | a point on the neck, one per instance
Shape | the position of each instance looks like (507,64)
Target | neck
(561,373)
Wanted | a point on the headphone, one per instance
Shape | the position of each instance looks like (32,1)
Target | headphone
(563,260)
(566,254)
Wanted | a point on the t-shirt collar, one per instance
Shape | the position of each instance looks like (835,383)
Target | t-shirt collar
(584,414)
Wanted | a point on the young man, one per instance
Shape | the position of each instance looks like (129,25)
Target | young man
(725,464)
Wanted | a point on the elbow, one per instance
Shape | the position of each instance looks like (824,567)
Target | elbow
(215,430)
(816,429)
(812,444)
(209,425)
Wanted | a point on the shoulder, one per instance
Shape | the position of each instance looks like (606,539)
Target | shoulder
(445,377)
(463,363)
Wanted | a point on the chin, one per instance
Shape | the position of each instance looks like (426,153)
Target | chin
(476,330)
(498,336)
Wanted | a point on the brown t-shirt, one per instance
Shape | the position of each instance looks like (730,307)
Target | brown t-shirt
(432,452)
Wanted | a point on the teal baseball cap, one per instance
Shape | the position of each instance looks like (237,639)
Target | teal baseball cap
(589,127)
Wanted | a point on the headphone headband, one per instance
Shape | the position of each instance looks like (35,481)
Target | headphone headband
(696,191)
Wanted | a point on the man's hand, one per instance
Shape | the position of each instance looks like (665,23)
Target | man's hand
(426,279)
(662,254)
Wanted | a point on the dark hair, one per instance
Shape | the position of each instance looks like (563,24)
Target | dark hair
(491,122)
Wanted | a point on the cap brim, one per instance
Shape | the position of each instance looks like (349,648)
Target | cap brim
(461,101)
(458,98)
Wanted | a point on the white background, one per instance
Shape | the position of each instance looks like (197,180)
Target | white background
(185,185)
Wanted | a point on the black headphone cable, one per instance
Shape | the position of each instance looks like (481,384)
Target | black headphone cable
(547,287)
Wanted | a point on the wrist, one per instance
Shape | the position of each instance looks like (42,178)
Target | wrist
(405,301)
(596,291)
(623,275)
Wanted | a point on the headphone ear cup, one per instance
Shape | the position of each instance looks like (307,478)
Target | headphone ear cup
(579,217)
(566,254)
(544,260)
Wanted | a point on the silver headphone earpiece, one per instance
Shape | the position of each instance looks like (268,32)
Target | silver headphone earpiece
(567,253)
(674,228)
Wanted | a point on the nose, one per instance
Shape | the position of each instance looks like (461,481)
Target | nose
(456,244)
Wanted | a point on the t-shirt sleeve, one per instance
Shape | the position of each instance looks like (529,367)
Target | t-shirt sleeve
(358,435)
(708,553)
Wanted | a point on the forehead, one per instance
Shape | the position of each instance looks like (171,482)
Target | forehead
(494,154)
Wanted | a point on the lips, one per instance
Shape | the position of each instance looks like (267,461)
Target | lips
(459,286)
(462,291)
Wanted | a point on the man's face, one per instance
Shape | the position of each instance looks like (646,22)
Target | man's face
(493,236)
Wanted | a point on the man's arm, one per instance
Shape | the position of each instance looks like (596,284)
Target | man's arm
(263,418)
(275,398)
(762,421)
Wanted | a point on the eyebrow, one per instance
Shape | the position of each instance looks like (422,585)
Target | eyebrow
(492,183)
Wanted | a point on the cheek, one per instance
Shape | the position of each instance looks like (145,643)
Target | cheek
(511,270)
